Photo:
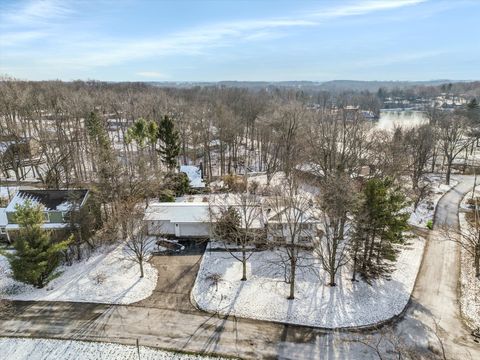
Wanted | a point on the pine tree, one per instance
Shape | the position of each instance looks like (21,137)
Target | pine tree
(36,256)
(169,142)
(379,226)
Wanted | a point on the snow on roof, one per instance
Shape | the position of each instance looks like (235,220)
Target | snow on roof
(3,217)
(198,212)
(51,200)
(194,175)
(178,212)
(7,191)
(46,226)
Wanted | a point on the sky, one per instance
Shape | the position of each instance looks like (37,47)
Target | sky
(262,40)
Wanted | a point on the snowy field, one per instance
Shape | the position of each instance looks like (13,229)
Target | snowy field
(43,349)
(469,284)
(426,209)
(107,276)
(264,295)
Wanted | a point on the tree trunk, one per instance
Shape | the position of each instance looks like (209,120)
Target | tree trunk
(244,266)
(141,268)
(449,172)
(293,268)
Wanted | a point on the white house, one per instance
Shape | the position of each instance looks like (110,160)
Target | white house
(193,219)
(291,225)
(179,219)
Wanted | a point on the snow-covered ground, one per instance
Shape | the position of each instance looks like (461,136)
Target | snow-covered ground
(41,349)
(426,209)
(107,276)
(264,295)
(469,284)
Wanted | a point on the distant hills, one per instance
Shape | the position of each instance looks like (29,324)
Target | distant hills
(334,85)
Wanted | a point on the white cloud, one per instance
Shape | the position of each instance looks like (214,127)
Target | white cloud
(84,50)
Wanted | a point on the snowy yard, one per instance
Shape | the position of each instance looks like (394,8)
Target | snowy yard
(105,277)
(426,209)
(41,349)
(469,284)
(264,295)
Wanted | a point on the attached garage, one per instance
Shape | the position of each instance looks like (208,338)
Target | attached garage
(178,219)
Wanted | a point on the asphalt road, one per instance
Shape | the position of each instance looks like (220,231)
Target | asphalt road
(430,327)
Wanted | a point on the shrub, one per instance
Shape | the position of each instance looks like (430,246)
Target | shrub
(430,224)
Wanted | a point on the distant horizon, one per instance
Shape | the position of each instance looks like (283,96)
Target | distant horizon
(190,41)
(7,76)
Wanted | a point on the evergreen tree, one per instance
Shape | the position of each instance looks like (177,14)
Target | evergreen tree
(379,226)
(169,142)
(177,182)
(36,256)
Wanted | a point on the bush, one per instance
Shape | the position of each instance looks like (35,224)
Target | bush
(235,183)
(429,224)
(166,196)
(178,183)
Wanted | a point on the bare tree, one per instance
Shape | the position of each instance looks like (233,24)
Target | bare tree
(291,226)
(468,237)
(336,201)
(238,224)
(138,243)
(453,138)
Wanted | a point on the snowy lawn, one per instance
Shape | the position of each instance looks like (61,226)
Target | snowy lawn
(105,277)
(41,349)
(264,295)
(426,209)
(469,284)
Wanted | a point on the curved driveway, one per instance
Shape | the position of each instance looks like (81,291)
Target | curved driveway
(430,327)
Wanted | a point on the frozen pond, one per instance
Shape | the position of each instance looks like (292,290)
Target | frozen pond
(404,118)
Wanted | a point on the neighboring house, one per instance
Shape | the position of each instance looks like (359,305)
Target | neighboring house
(194,175)
(291,226)
(6,194)
(3,224)
(56,205)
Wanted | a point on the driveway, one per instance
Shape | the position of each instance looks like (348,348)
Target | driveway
(430,328)
(176,276)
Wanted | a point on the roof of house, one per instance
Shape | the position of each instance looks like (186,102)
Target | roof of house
(3,217)
(178,212)
(198,212)
(194,175)
(51,200)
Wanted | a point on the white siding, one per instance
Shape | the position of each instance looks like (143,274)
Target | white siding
(195,229)
(160,227)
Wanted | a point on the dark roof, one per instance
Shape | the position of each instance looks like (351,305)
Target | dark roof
(51,199)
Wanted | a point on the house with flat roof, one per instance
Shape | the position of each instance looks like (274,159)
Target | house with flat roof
(195,219)
(178,219)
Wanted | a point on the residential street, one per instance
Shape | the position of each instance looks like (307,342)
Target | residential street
(168,320)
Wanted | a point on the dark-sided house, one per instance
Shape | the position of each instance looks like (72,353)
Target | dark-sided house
(56,205)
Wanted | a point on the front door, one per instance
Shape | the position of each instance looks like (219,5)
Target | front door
(177,230)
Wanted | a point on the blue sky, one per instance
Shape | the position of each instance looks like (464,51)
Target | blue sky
(240,40)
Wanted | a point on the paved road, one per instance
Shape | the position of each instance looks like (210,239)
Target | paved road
(435,296)
(430,326)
